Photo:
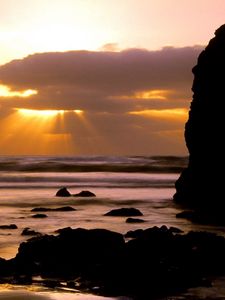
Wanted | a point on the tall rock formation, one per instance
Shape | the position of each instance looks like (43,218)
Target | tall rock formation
(201,184)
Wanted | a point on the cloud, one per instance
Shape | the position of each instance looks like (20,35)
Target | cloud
(99,80)
(113,89)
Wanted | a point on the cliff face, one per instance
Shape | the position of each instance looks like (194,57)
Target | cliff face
(200,185)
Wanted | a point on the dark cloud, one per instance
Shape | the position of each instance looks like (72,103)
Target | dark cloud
(108,86)
(100,80)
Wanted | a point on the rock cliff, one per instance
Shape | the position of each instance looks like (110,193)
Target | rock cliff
(201,184)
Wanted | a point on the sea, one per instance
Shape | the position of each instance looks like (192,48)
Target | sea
(142,182)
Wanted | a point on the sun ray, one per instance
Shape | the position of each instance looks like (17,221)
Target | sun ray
(34,131)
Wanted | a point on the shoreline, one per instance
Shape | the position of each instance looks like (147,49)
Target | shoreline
(173,261)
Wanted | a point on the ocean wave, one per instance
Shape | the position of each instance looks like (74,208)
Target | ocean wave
(130,164)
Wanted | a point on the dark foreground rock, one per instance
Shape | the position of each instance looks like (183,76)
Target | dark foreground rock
(200,186)
(203,216)
(155,263)
(124,212)
(28,231)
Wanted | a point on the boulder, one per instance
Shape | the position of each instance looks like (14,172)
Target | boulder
(11,226)
(124,212)
(63,192)
(39,216)
(43,209)
(101,262)
(134,220)
(85,194)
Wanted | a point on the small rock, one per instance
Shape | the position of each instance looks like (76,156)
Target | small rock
(39,216)
(85,194)
(124,212)
(11,226)
(43,209)
(63,192)
(133,220)
(64,208)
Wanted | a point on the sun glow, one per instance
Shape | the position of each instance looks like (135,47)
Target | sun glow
(39,131)
(176,114)
(45,113)
(6,91)
(147,95)
(153,94)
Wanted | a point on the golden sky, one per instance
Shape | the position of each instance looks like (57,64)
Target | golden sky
(99,76)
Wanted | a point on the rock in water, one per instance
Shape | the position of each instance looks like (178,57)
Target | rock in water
(85,194)
(124,212)
(199,186)
(63,192)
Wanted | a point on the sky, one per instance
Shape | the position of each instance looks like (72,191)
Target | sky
(99,77)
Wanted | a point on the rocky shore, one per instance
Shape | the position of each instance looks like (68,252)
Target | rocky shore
(150,263)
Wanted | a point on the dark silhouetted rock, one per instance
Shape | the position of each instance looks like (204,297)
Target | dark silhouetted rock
(124,212)
(186,214)
(72,253)
(28,231)
(200,186)
(134,233)
(63,192)
(11,226)
(39,216)
(43,209)
(100,261)
(63,230)
(175,230)
(85,194)
(134,220)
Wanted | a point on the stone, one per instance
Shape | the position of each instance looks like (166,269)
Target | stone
(63,192)
(39,216)
(134,220)
(43,209)
(11,226)
(124,212)
(85,194)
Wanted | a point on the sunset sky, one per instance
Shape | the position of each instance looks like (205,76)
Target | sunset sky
(99,76)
